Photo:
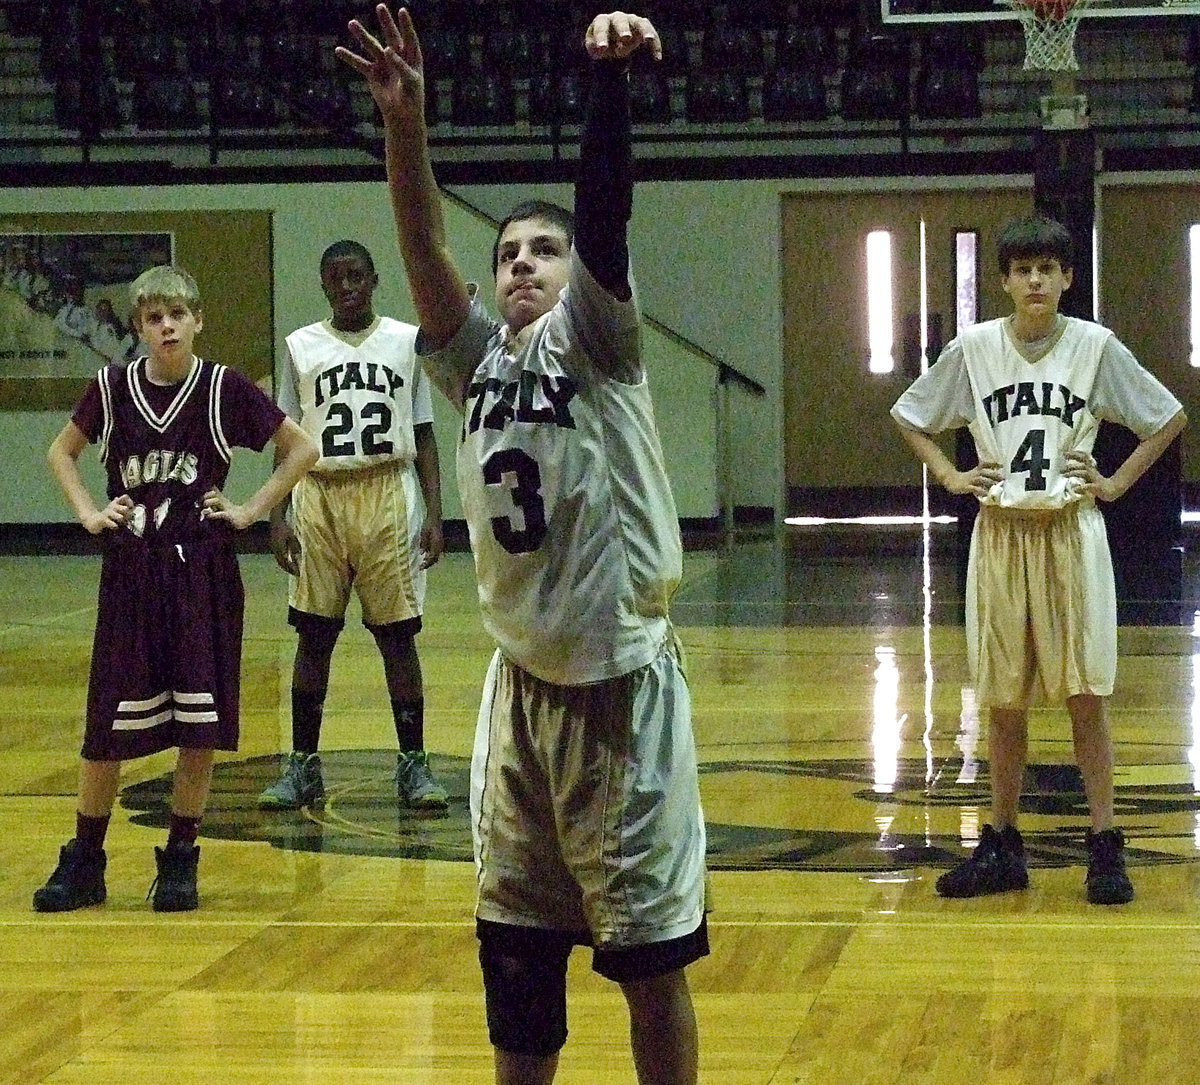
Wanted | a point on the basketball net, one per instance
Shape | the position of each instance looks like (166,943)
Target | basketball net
(1050,27)
(1050,33)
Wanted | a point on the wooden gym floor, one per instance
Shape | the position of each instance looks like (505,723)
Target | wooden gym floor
(843,769)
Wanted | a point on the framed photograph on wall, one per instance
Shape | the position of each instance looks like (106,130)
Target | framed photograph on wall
(64,308)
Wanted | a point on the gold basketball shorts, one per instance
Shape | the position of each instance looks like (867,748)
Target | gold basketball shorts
(359,530)
(1041,606)
(585,805)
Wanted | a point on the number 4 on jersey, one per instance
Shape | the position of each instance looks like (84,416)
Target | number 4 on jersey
(1031,460)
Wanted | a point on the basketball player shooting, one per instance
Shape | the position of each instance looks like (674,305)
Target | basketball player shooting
(584,790)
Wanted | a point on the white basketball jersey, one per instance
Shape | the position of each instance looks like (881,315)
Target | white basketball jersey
(359,397)
(572,521)
(1029,414)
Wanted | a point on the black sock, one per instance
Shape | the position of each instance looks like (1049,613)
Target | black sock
(409,717)
(90,831)
(308,707)
(183,831)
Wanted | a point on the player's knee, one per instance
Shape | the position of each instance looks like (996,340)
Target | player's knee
(398,636)
(526,998)
(318,634)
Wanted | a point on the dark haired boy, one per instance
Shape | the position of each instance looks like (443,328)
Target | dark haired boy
(1041,606)
(585,799)
(367,519)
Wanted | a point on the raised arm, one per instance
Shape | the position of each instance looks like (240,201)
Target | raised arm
(395,75)
(604,187)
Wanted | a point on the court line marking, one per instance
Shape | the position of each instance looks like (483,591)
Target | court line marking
(872,924)
(43,623)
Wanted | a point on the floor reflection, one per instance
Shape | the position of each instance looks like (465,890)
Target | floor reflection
(869,574)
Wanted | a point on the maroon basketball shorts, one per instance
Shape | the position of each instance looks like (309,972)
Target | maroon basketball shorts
(167,654)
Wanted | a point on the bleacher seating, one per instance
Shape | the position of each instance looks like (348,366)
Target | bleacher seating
(319,100)
(556,98)
(947,83)
(165,103)
(777,69)
(875,78)
(481,98)
(717,96)
(89,106)
(240,102)
(649,96)
(795,94)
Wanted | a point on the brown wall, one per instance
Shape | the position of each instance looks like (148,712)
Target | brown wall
(837,430)
(838,433)
(228,252)
(1145,288)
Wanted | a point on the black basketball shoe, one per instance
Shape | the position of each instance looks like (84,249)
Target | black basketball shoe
(175,887)
(997,865)
(77,881)
(1107,882)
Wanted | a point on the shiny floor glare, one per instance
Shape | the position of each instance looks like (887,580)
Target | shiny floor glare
(843,767)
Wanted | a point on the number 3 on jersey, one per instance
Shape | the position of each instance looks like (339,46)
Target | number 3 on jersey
(525,488)
(1031,460)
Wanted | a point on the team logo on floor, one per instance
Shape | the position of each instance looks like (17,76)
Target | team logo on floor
(361,815)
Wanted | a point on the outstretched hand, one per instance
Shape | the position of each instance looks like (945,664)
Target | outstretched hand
(393,67)
(618,35)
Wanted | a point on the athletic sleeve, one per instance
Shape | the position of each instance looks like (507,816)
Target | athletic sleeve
(939,399)
(600,301)
(604,186)
(422,401)
(248,417)
(1127,393)
(287,387)
(89,411)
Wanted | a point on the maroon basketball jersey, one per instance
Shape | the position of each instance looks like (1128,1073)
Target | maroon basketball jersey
(167,445)
(167,652)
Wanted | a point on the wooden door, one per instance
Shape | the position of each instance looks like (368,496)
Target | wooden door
(841,450)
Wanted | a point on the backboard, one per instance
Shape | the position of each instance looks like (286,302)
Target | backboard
(978,11)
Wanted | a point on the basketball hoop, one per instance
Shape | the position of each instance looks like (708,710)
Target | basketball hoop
(1050,32)
(1050,27)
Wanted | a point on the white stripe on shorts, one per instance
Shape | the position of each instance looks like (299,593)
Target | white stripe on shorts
(142,723)
(146,705)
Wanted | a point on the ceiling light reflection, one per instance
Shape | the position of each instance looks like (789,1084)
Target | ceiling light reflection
(886,726)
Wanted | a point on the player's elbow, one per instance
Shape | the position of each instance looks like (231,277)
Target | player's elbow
(60,452)
(294,444)
(309,451)
(1175,425)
